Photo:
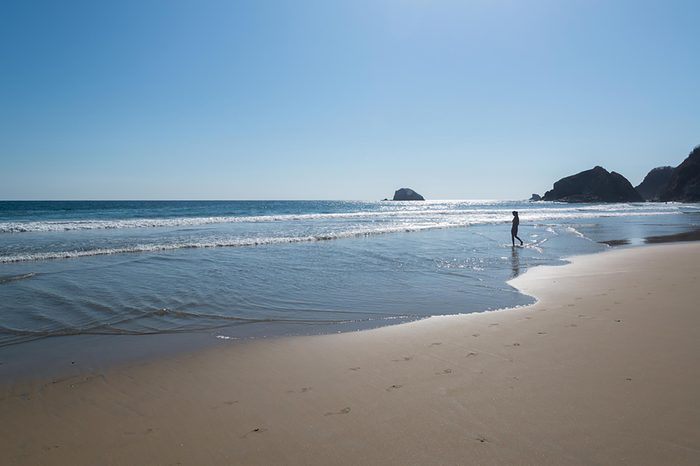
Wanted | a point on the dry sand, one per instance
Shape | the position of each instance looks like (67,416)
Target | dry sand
(604,369)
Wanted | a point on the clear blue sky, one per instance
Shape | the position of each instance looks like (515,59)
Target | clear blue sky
(340,99)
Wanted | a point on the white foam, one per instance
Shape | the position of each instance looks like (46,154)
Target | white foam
(436,212)
(575,232)
(321,227)
(234,242)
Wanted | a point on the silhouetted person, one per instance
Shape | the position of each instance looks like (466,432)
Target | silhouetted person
(514,229)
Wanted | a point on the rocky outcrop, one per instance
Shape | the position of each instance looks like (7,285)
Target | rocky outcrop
(535,197)
(594,185)
(407,194)
(655,183)
(684,185)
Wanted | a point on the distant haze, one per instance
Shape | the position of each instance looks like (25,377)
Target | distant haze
(340,99)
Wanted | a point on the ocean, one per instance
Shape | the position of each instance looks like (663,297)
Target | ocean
(225,270)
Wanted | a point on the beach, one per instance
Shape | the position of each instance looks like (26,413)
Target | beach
(349,233)
(603,369)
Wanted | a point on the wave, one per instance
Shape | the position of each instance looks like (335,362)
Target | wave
(441,210)
(56,225)
(235,242)
(410,225)
(14,278)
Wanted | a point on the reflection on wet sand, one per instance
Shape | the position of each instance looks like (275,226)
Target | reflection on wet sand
(693,235)
(616,242)
(515,261)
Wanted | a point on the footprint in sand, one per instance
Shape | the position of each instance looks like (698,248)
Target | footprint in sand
(301,390)
(51,447)
(393,387)
(471,354)
(514,344)
(405,358)
(445,371)
(257,430)
(437,343)
(345,410)
(150,430)
(572,325)
(354,369)
(492,325)
(230,402)
(618,320)
(542,333)
(475,334)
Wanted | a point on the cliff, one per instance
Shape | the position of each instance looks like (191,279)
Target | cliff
(655,183)
(684,185)
(594,185)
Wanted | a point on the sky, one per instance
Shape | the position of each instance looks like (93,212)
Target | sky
(318,99)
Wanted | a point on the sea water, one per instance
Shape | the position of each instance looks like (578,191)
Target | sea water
(236,269)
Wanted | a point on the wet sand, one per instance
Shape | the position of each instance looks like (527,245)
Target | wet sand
(602,370)
(685,236)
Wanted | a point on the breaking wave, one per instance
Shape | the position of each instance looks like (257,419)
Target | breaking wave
(370,223)
(234,242)
(472,215)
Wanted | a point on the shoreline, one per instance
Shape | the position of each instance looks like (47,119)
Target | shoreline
(106,319)
(48,358)
(602,369)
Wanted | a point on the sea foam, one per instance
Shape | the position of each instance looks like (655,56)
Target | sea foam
(461,216)
(315,227)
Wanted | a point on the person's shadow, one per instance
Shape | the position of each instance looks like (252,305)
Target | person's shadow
(515,262)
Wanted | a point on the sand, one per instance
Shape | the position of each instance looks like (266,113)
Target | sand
(604,369)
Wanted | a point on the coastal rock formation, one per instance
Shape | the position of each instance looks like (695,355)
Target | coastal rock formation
(594,185)
(684,185)
(655,183)
(535,197)
(407,194)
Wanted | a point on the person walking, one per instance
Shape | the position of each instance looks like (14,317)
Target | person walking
(514,229)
